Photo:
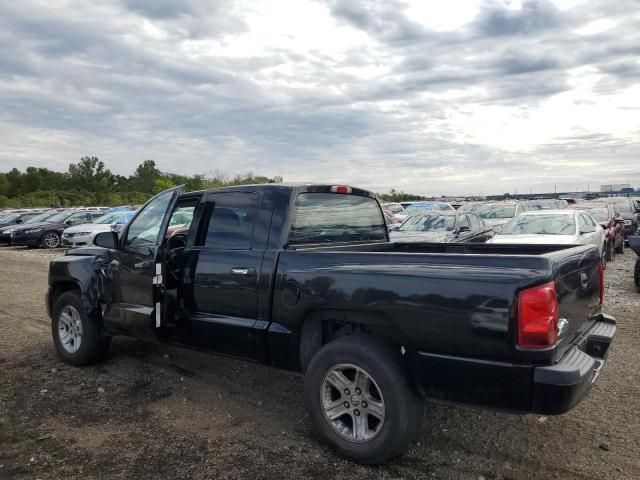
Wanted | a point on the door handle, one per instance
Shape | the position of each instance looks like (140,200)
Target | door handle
(247,272)
(141,265)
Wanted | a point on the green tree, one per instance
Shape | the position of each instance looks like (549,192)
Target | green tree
(145,176)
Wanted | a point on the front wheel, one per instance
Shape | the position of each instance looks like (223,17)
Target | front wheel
(50,240)
(76,335)
(361,399)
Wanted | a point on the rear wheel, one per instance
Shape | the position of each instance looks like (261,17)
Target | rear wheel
(76,335)
(50,240)
(361,399)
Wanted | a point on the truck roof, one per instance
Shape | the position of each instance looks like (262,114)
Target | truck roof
(299,187)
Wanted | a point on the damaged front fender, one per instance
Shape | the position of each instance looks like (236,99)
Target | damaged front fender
(92,271)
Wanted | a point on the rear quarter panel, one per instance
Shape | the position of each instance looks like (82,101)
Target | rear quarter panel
(451,304)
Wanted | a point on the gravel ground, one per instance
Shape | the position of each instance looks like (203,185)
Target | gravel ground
(155,411)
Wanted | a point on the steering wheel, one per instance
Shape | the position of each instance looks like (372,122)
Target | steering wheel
(173,246)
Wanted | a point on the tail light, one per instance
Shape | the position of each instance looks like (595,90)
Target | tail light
(341,189)
(601,274)
(538,317)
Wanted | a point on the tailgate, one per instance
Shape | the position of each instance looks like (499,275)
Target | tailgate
(578,284)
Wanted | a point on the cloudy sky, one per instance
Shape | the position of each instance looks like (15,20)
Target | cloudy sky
(429,97)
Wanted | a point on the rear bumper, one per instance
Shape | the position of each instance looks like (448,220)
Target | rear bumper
(504,386)
(560,387)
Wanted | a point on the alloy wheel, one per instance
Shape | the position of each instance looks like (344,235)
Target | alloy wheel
(70,329)
(52,240)
(352,403)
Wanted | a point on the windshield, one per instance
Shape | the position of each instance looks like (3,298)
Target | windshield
(598,214)
(108,218)
(11,217)
(330,217)
(624,206)
(428,223)
(58,217)
(496,211)
(40,218)
(540,225)
(393,208)
(429,206)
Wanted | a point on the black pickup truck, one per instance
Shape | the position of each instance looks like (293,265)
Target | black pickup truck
(304,277)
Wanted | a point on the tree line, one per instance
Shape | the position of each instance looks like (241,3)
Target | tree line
(90,182)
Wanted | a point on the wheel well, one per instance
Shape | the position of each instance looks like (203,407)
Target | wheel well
(322,327)
(58,289)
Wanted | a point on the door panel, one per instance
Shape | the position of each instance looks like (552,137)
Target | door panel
(223,274)
(138,275)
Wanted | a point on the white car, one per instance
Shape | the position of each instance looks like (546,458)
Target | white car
(83,235)
(497,214)
(552,227)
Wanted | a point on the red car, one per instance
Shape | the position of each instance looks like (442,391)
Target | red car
(610,219)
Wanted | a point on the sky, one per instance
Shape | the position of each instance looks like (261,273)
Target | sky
(457,97)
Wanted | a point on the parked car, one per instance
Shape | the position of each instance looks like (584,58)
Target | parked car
(471,206)
(498,213)
(628,210)
(83,234)
(390,220)
(416,207)
(442,227)
(5,232)
(16,218)
(48,234)
(549,203)
(634,244)
(609,219)
(553,227)
(395,209)
(303,277)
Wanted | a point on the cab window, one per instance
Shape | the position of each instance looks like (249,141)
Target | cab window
(230,220)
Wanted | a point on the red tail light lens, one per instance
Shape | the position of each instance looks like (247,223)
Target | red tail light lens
(341,189)
(601,273)
(538,317)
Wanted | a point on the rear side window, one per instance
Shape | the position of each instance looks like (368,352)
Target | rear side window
(331,217)
(231,219)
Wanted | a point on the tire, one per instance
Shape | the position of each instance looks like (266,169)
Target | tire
(50,240)
(620,249)
(609,252)
(69,318)
(378,368)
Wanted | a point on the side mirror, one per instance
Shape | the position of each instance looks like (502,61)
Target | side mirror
(106,240)
(464,228)
(19,221)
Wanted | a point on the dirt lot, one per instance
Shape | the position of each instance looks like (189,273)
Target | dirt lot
(154,411)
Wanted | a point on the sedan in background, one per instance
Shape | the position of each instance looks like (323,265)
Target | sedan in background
(608,217)
(16,218)
(395,210)
(5,232)
(442,227)
(553,227)
(419,207)
(83,234)
(48,234)
(498,213)
(549,203)
(628,209)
